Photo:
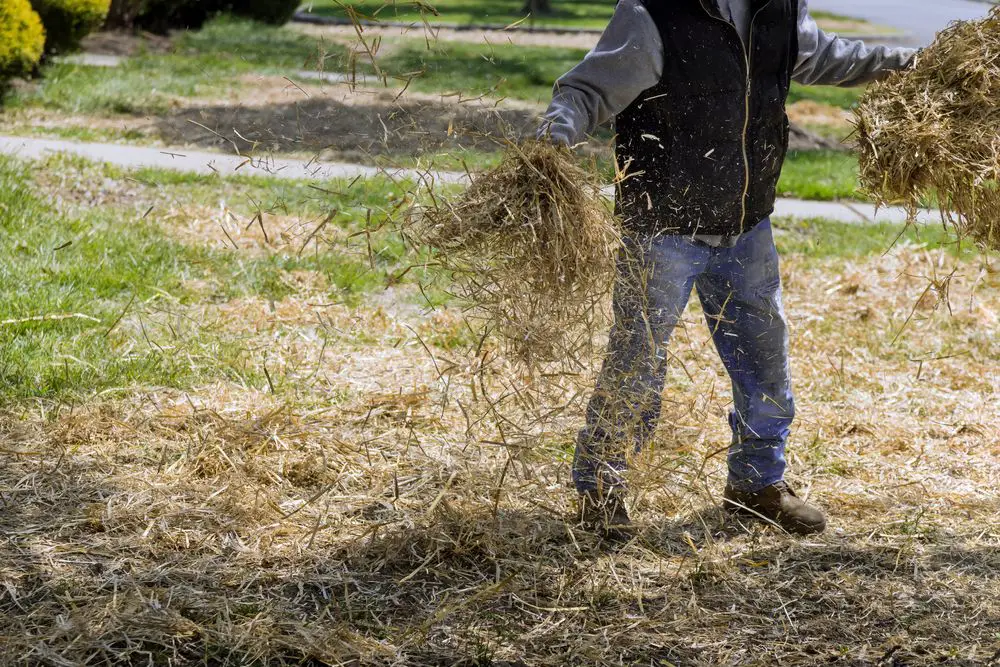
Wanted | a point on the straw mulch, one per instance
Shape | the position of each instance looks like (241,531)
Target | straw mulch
(531,247)
(933,131)
(365,515)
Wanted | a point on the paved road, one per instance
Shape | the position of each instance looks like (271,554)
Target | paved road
(921,18)
(181,159)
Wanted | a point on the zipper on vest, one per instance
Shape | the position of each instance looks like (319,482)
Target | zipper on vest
(747,51)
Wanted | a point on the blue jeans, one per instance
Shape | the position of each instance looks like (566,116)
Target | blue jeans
(740,292)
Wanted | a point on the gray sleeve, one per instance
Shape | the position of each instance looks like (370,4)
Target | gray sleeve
(826,59)
(627,60)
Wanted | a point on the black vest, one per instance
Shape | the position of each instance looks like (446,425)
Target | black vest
(702,149)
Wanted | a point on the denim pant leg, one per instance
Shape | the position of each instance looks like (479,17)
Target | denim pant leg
(741,295)
(655,277)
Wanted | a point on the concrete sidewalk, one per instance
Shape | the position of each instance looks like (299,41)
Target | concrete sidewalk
(111,61)
(203,162)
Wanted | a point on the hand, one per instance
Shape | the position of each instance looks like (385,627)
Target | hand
(554,134)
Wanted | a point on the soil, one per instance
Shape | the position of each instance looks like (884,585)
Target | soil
(802,139)
(278,116)
(125,43)
(809,112)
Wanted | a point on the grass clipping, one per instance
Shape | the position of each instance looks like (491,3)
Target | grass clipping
(935,131)
(531,247)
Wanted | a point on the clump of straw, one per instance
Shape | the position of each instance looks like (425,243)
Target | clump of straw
(531,245)
(935,131)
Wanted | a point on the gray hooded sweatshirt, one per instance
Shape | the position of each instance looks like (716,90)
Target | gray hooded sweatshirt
(628,59)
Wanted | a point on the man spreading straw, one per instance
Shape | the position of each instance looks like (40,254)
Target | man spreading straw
(697,89)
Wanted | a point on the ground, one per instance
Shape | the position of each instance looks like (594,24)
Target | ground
(243,422)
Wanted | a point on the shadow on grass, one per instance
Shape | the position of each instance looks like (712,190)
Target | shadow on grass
(95,569)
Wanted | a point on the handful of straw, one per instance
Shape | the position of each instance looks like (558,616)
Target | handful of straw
(935,131)
(531,245)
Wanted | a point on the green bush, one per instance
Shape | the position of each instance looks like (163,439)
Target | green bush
(161,16)
(164,15)
(275,12)
(68,21)
(123,13)
(22,39)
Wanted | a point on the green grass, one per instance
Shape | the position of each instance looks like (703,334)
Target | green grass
(525,73)
(824,239)
(503,70)
(98,263)
(819,175)
(819,14)
(843,98)
(571,13)
(260,45)
(207,63)
(88,265)
(824,18)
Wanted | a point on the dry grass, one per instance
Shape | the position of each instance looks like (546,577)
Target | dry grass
(531,245)
(385,506)
(932,131)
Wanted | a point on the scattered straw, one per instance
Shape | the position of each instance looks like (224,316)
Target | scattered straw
(531,245)
(933,131)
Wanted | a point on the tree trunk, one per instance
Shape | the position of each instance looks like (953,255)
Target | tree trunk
(537,7)
(122,13)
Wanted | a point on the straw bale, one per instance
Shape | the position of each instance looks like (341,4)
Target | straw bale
(931,132)
(531,246)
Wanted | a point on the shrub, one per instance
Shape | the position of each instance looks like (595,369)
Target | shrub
(275,12)
(68,21)
(123,13)
(164,15)
(161,16)
(22,39)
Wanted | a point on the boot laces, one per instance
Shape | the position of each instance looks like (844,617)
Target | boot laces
(783,487)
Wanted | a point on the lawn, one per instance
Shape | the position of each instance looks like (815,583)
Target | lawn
(820,175)
(841,98)
(161,244)
(76,271)
(209,63)
(232,439)
(566,13)
(499,70)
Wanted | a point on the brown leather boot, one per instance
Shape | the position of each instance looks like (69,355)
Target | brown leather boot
(606,514)
(776,504)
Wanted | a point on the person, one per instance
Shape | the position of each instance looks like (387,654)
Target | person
(697,90)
